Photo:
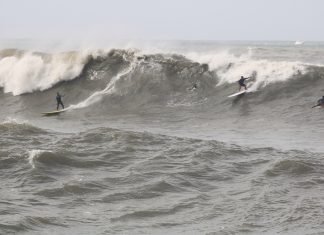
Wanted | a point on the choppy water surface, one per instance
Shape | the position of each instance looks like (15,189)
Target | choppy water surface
(139,152)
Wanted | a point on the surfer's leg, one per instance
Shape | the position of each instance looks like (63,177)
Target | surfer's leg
(62,105)
(245,87)
(57,106)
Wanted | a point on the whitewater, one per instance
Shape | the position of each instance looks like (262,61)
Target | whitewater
(138,151)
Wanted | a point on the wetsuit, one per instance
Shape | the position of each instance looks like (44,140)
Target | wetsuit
(241,82)
(59,101)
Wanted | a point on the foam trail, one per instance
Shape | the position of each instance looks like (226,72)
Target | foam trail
(97,96)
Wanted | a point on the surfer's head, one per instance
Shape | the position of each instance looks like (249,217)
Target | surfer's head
(241,76)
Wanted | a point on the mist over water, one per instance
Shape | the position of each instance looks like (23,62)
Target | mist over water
(138,151)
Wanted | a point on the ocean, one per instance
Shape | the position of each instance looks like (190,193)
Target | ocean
(138,151)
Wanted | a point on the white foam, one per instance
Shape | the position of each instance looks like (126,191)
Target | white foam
(31,71)
(230,68)
(33,154)
(10,120)
(98,95)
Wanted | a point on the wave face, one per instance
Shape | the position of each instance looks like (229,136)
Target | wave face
(100,84)
(27,71)
(150,142)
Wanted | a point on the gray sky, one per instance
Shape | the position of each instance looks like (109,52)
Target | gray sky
(163,19)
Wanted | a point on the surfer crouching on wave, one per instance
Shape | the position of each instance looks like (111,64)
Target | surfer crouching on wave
(241,82)
(59,101)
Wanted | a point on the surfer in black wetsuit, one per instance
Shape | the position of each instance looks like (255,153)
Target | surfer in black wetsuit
(59,101)
(241,82)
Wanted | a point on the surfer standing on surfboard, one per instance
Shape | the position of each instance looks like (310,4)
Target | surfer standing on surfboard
(59,101)
(241,82)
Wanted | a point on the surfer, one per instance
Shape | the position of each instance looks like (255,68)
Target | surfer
(241,82)
(320,102)
(194,87)
(59,101)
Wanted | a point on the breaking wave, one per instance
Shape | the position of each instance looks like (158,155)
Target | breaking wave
(26,71)
(142,78)
(230,67)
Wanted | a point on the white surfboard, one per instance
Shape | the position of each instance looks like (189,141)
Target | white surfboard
(238,93)
(56,112)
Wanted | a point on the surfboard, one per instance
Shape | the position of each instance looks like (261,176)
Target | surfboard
(318,106)
(238,93)
(56,112)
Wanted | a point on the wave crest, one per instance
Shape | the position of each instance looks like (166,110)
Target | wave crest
(24,71)
(17,127)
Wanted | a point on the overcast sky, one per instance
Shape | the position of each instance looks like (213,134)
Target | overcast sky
(163,19)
